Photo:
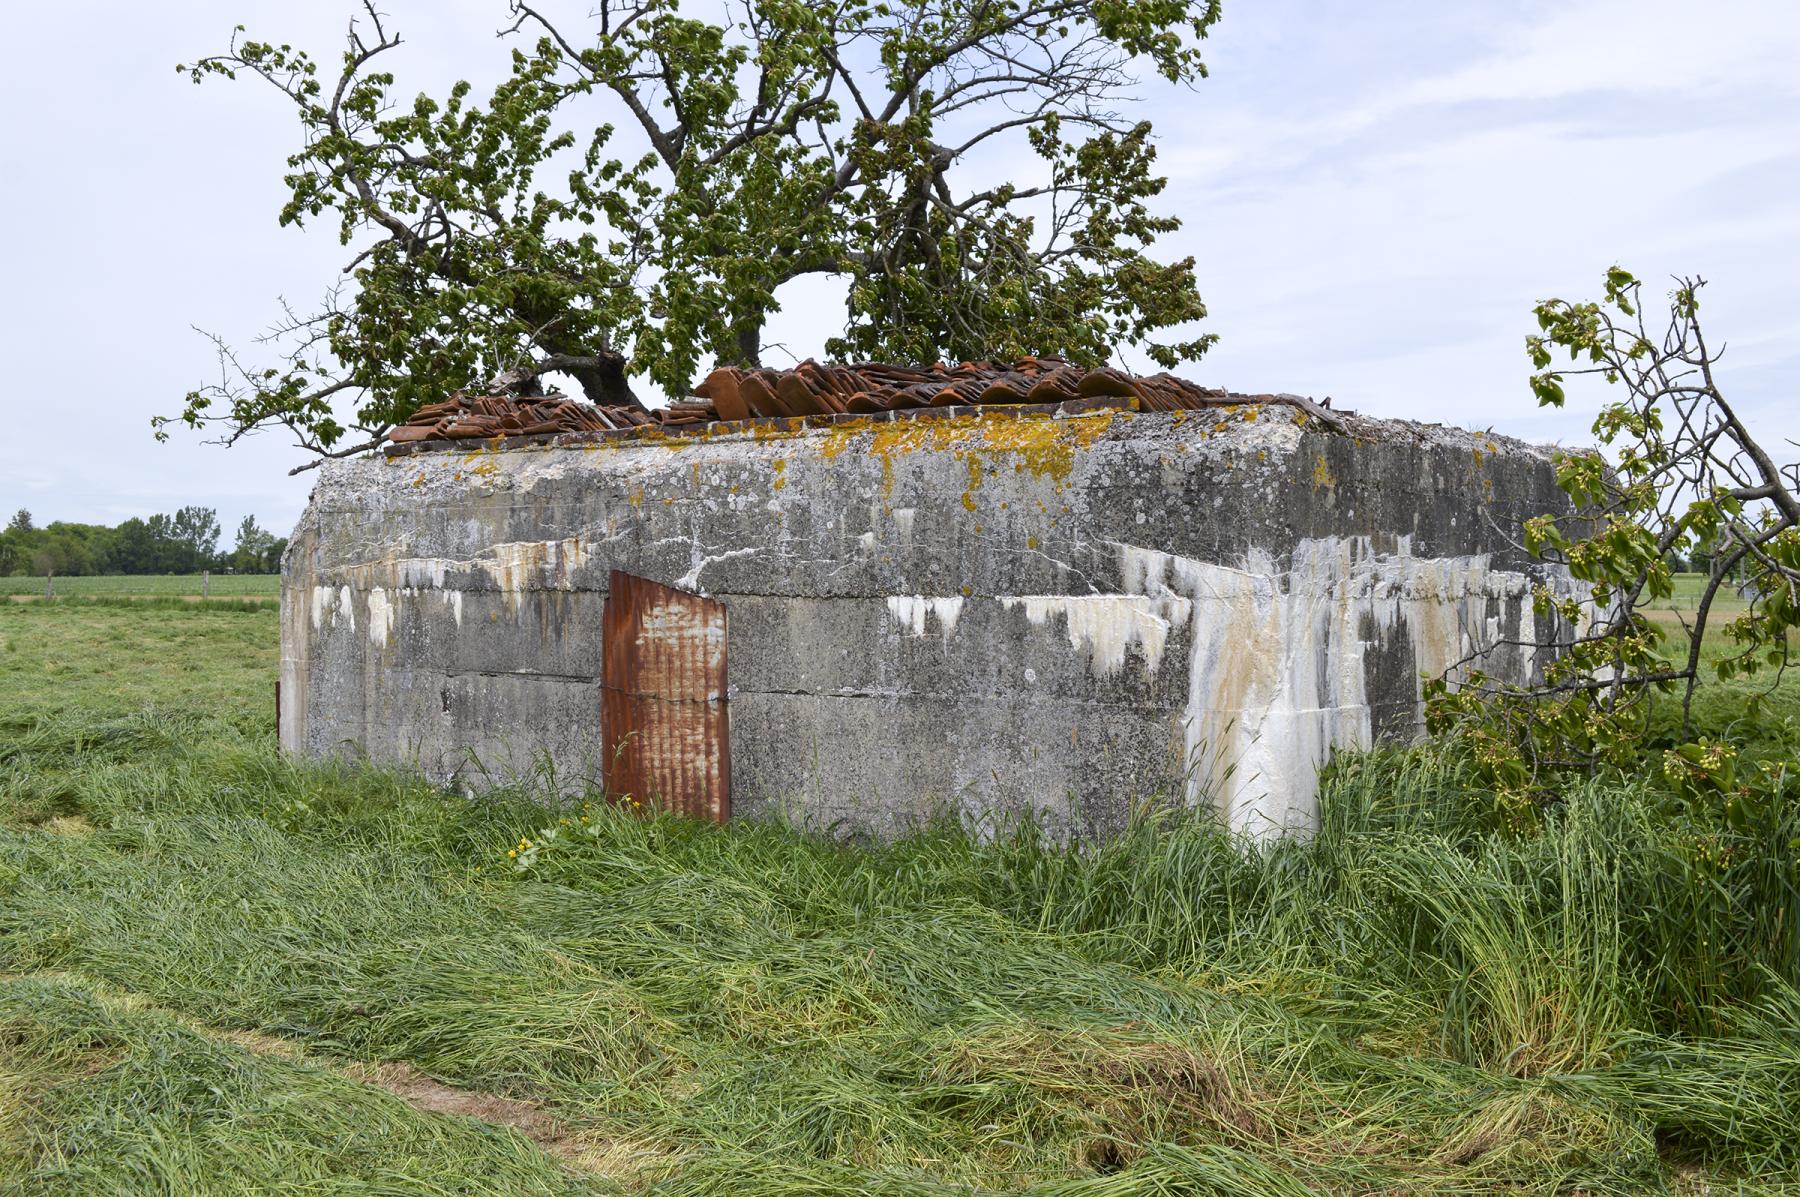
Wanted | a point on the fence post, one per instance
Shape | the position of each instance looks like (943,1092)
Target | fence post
(206,583)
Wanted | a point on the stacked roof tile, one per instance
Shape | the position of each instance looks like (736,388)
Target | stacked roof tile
(812,389)
(815,389)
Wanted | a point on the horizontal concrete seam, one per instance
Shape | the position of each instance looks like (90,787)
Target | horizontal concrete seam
(986,698)
(533,674)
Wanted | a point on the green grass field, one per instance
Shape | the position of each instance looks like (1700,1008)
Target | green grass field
(1727,604)
(225,972)
(149,585)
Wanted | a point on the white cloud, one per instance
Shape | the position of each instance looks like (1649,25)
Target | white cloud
(1639,46)
(1384,242)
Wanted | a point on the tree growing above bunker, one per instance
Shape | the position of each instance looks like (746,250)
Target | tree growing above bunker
(704,164)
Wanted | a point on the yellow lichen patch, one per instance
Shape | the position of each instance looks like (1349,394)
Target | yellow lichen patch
(1043,446)
(901,438)
(841,436)
(968,496)
(767,431)
(1031,542)
(485,468)
(780,467)
(1322,476)
(636,497)
(1250,413)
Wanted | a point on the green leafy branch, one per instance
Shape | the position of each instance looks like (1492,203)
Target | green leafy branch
(1678,473)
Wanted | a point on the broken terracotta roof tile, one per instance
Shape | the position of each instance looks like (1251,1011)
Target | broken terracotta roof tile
(823,389)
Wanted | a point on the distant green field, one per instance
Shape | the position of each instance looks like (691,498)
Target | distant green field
(1689,588)
(170,585)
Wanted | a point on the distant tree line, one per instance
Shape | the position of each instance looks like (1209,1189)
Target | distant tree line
(184,543)
(1698,561)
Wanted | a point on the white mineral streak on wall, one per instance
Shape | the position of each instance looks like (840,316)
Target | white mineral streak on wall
(1106,624)
(550,563)
(381,616)
(909,610)
(691,579)
(513,566)
(299,607)
(1277,677)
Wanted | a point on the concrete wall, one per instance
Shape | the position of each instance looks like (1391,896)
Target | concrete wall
(1067,614)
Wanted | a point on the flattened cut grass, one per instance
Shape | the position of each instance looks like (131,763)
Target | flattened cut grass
(96,1099)
(1406,1003)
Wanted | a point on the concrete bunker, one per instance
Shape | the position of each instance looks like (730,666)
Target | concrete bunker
(1065,608)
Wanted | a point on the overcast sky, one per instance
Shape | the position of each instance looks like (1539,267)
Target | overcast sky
(1376,193)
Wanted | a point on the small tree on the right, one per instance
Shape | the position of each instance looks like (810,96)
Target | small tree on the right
(1679,473)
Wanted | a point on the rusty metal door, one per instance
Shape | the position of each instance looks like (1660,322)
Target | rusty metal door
(663,724)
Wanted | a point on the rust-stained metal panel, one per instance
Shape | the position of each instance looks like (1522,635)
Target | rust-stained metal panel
(663,719)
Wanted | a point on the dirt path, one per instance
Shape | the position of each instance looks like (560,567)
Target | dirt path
(434,1097)
(621,1161)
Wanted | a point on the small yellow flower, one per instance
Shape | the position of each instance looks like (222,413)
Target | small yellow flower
(512,852)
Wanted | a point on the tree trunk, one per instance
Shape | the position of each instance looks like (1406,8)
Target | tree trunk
(599,369)
(748,351)
(606,385)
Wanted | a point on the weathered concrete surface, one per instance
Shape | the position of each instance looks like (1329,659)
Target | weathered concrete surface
(1066,615)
